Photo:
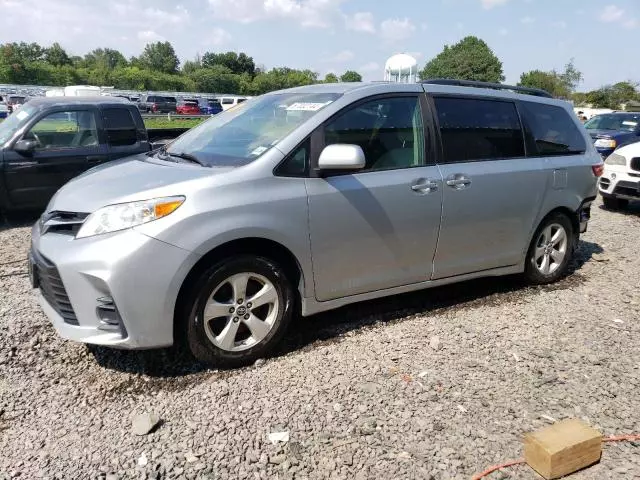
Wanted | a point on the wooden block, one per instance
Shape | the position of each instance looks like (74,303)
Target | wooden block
(562,448)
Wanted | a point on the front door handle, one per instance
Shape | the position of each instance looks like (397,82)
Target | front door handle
(424,185)
(458,181)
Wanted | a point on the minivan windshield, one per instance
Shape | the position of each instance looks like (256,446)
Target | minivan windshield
(242,134)
(14,122)
(625,122)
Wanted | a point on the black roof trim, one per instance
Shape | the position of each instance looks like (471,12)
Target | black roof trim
(496,86)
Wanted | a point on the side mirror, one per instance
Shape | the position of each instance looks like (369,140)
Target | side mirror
(342,157)
(25,146)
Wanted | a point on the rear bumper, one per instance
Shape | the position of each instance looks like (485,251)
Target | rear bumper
(117,290)
(584,213)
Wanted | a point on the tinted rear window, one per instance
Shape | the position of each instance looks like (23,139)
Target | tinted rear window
(475,129)
(170,99)
(121,129)
(551,131)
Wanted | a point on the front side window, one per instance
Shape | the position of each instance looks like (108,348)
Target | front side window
(389,131)
(552,130)
(121,129)
(240,135)
(61,130)
(475,129)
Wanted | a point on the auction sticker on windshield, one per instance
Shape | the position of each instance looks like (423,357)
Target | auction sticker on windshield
(22,115)
(629,123)
(306,106)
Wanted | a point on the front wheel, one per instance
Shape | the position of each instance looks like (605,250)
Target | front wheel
(551,250)
(240,309)
(613,203)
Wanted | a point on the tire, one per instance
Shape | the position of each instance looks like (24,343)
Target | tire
(234,332)
(613,203)
(549,255)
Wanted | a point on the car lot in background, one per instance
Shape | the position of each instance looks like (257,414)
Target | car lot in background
(14,102)
(4,110)
(620,181)
(612,130)
(188,106)
(157,104)
(228,102)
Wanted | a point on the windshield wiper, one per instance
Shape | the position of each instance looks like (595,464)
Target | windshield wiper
(184,156)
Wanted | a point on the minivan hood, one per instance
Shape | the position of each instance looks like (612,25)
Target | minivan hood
(139,177)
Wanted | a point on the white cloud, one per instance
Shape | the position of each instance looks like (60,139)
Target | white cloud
(309,13)
(396,30)
(631,23)
(361,22)
(179,16)
(611,13)
(489,4)
(341,57)
(217,36)
(527,20)
(150,36)
(559,24)
(370,67)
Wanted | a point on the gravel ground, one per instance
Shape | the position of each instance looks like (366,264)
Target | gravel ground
(438,384)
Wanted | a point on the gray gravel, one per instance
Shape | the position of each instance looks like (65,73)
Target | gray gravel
(438,384)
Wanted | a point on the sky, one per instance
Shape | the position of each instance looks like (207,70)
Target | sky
(336,35)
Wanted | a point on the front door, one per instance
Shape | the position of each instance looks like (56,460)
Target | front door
(67,145)
(376,228)
(492,193)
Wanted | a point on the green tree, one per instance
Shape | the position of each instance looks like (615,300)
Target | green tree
(56,55)
(559,84)
(191,66)
(216,79)
(350,76)
(159,56)
(469,59)
(236,63)
(331,78)
(106,58)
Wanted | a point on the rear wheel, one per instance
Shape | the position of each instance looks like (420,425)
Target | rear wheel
(240,310)
(613,203)
(551,250)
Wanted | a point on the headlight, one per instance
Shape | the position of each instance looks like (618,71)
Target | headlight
(605,143)
(126,215)
(615,159)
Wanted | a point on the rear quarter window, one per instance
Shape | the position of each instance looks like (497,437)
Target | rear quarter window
(120,126)
(550,130)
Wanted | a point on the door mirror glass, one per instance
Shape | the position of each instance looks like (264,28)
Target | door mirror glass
(25,146)
(342,157)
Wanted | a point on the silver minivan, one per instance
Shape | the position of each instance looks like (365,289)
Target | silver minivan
(304,200)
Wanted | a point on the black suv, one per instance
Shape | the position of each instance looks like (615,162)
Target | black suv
(157,104)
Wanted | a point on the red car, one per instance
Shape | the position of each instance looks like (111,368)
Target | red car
(188,107)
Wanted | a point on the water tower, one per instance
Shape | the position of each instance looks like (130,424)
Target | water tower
(401,68)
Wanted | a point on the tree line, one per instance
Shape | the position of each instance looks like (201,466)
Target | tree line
(158,68)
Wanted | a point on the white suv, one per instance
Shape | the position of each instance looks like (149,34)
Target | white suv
(621,179)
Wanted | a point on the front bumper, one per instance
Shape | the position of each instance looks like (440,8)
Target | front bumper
(118,289)
(605,152)
(620,184)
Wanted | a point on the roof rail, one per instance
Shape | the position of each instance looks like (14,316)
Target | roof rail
(496,86)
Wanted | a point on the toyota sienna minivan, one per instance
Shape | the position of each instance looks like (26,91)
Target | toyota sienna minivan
(308,199)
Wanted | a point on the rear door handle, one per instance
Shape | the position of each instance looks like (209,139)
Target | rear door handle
(424,185)
(458,181)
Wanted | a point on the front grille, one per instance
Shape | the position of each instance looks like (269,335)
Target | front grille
(52,288)
(67,223)
(628,189)
(635,164)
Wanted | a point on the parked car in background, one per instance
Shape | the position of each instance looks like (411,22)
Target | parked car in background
(209,106)
(188,106)
(313,198)
(612,130)
(50,140)
(231,101)
(157,104)
(4,110)
(620,181)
